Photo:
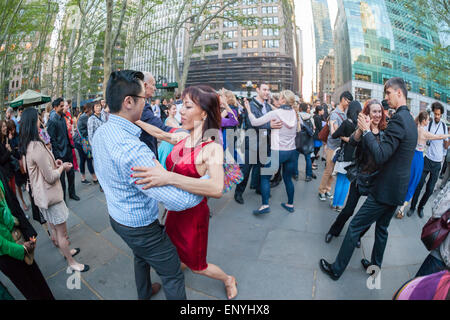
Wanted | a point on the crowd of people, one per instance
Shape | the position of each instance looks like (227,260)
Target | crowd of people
(174,152)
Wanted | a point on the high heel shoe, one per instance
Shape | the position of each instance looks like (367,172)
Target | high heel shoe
(400,214)
(230,291)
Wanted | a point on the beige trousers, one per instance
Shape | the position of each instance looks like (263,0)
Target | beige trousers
(327,178)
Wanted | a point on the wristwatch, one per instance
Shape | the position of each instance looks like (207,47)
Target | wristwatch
(365,132)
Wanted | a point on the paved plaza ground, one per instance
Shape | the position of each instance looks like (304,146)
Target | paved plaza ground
(275,256)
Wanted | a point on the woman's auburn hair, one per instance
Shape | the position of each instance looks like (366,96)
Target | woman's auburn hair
(207,98)
(366,110)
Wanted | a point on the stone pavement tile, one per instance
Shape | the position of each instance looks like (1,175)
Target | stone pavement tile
(110,235)
(399,251)
(235,266)
(296,221)
(267,280)
(94,213)
(73,220)
(95,251)
(48,257)
(84,197)
(414,268)
(195,295)
(60,290)
(114,280)
(302,249)
(352,285)
(235,237)
(320,222)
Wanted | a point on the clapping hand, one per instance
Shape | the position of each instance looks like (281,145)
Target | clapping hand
(363,122)
(59,163)
(67,166)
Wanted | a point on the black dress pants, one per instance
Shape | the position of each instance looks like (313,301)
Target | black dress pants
(28,279)
(70,175)
(370,212)
(347,212)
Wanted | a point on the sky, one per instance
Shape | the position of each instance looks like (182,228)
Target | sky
(304,18)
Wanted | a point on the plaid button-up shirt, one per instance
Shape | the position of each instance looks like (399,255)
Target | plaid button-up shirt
(116,148)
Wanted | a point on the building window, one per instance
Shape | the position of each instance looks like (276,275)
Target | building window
(211,47)
(422,91)
(363,77)
(250,44)
(249,33)
(269,10)
(437,95)
(387,65)
(269,32)
(250,11)
(230,45)
(271,44)
(270,20)
(363,94)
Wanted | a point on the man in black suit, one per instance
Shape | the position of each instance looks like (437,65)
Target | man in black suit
(395,153)
(61,145)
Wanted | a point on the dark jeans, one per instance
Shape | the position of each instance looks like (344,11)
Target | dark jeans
(308,170)
(246,169)
(370,212)
(429,167)
(70,175)
(347,212)
(287,160)
(430,265)
(83,160)
(152,247)
(28,279)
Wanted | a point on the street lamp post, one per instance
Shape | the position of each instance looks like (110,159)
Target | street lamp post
(249,86)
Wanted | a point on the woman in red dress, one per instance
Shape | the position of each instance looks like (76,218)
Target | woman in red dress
(195,155)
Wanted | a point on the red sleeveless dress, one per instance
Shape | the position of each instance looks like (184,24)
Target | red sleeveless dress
(188,229)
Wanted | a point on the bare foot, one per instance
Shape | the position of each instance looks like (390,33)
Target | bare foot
(231,287)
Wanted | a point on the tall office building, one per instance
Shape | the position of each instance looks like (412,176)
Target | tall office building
(154,53)
(327,78)
(230,55)
(377,40)
(323,35)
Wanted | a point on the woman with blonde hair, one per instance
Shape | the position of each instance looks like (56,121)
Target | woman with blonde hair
(282,147)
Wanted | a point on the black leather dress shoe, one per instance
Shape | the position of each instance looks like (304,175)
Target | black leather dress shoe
(327,269)
(420,212)
(410,212)
(74,197)
(365,263)
(238,198)
(328,237)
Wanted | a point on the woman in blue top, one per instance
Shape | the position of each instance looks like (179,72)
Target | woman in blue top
(165,148)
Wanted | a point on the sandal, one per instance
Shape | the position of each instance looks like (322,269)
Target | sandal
(400,214)
(232,291)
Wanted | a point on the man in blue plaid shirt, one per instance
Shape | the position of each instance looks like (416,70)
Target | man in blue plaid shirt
(133,211)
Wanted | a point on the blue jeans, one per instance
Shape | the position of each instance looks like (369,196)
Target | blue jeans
(308,164)
(287,159)
(341,190)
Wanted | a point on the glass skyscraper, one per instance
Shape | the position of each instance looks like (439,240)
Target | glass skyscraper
(377,40)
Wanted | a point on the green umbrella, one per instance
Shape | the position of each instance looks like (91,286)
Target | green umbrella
(30,98)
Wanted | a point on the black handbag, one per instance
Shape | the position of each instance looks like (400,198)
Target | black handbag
(352,171)
(304,140)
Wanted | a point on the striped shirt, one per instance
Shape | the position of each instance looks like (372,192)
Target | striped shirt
(117,149)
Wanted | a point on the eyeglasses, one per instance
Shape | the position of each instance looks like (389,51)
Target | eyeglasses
(138,97)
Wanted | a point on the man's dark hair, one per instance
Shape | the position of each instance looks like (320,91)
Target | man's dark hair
(304,107)
(57,102)
(263,82)
(317,100)
(120,85)
(178,96)
(385,104)
(21,108)
(437,105)
(396,83)
(69,101)
(347,95)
